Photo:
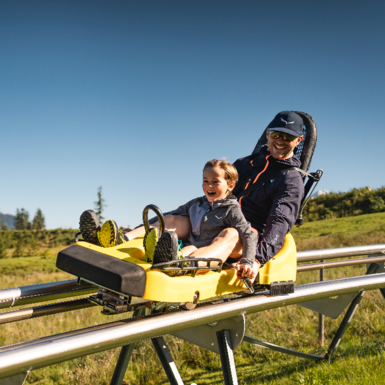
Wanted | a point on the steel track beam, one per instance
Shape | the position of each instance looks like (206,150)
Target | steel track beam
(346,262)
(24,295)
(340,252)
(51,350)
(40,311)
(42,292)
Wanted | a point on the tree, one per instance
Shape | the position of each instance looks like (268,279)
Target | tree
(5,241)
(21,220)
(3,225)
(100,205)
(19,250)
(38,222)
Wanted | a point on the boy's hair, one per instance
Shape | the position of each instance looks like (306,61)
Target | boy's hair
(231,173)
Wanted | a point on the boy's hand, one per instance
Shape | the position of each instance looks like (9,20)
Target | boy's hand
(245,271)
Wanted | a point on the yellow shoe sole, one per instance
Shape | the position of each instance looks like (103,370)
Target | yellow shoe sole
(149,242)
(108,235)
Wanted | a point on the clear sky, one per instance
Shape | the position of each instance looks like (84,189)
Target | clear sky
(136,96)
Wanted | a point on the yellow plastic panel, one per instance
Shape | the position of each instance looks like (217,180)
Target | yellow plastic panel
(283,266)
(161,287)
(127,250)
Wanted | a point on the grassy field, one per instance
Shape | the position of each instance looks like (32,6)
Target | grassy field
(359,360)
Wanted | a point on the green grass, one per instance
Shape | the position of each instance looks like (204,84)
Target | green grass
(365,229)
(359,359)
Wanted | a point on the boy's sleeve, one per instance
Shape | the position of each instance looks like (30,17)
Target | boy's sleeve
(181,210)
(248,238)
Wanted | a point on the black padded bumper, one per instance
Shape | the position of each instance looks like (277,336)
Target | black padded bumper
(113,273)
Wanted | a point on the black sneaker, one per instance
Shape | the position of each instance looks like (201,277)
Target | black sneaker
(166,249)
(89,226)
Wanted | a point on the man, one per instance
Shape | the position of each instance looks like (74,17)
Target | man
(270,207)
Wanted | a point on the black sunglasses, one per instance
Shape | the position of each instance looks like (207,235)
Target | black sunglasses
(285,137)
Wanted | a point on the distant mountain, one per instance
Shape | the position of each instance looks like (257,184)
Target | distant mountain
(8,219)
(319,193)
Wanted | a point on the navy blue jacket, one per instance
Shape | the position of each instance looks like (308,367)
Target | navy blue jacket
(271,208)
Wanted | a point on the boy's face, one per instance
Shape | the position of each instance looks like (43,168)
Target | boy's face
(215,186)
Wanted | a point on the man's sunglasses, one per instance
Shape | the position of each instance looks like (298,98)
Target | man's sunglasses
(285,137)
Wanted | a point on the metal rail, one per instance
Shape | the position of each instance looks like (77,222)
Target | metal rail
(40,311)
(52,350)
(346,262)
(42,292)
(339,252)
(61,307)
(64,289)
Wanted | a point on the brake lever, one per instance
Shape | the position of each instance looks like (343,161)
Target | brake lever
(245,280)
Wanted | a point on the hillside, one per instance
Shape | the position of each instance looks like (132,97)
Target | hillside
(357,201)
(8,219)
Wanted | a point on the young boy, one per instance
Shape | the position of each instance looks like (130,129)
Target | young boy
(199,222)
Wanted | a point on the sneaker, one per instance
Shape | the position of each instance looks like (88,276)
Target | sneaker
(109,235)
(149,243)
(89,226)
(166,249)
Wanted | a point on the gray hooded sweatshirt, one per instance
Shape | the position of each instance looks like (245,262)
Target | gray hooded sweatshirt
(209,219)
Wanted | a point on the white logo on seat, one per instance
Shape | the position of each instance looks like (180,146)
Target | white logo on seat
(283,120)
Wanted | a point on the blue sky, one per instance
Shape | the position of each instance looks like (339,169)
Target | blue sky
(136,96)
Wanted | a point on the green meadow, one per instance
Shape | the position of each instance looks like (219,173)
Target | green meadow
(360,358)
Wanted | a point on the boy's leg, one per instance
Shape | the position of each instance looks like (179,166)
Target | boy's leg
(225,244)
(177,223)
(188,250)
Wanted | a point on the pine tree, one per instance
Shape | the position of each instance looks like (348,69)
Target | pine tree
(38,222)
(19,250)
(5,241)
(21,220)
(3,225)
(100,205)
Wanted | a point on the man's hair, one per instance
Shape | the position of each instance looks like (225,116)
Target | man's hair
(231,173)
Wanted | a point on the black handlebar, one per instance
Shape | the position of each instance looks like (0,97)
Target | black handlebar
(158,213)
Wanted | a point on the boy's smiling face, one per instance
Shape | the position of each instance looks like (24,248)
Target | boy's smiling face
(215,186)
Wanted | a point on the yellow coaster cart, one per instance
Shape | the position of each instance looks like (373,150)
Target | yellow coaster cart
(128,283)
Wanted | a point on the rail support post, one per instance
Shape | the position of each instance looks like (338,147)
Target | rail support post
(124,358)
(321,317)
(121,366)
(227,357)
(167,361)
(381,269)
(17,379)
(348,316)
